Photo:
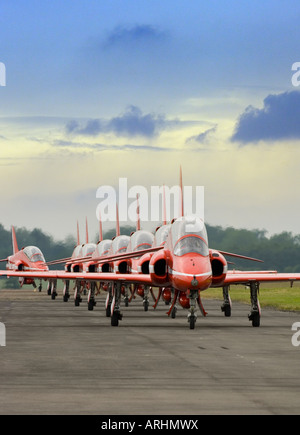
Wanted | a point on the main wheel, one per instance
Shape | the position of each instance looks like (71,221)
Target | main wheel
(256,320)
(91,305)
(115,319)
(227,311)
(107,311)
(192,321)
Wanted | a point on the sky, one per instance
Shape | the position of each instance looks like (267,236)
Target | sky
(99,90)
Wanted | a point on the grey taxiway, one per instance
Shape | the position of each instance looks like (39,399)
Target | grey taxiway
(62,359)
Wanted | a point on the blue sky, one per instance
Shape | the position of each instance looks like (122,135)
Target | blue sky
(97,90)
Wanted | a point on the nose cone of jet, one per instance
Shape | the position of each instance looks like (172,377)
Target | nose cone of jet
(191,272)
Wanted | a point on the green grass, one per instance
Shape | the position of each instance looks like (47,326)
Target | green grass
(280,296)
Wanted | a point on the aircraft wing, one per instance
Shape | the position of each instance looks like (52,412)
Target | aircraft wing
(83,276)
(107,258)
(237,277)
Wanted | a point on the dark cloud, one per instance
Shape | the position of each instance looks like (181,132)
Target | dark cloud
(129,124)
(278,119)
(134,123)
(135,34)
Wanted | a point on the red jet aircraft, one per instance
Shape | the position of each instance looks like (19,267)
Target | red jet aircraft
(29,258)
(183,262)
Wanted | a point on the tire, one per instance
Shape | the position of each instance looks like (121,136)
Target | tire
(115,319)
(256,320)
(192,322)
(227,311)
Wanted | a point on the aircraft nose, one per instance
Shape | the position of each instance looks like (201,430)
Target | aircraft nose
(195,274)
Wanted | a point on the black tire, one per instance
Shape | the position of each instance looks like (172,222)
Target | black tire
(227,311)
(192,322)
(256,320)
(115,319)
(173,313)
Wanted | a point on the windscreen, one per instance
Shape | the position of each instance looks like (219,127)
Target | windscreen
(189,235)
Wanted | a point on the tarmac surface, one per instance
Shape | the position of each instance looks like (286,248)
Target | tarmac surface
(62,359)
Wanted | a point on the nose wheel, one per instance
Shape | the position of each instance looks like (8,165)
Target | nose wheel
(194,296)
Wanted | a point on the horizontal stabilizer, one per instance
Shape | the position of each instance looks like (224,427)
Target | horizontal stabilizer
(239,256)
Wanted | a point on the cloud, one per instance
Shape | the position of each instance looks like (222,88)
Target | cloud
(278,119)
(133,35)
(129,124)
(64,144)
(202,137)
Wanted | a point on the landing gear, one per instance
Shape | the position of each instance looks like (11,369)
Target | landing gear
(255,313)
(146,298)
(192,317)
(91,297)
(77,296)
(173,312)
(66,293)
(53,289)
(116,314)
(108,301)
(226,307)
(49,288)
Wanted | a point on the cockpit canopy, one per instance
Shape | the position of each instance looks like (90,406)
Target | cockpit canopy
(34,254)
(161,235)
(141,240)
(88,249)
(189,236)
(77,252)
(120,244)
(103,247)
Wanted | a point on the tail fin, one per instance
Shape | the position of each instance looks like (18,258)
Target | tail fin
(86,231)
(138,221)
(181,210)
(100,228)
(164,207)
(117,221)
(78,240)
(14,240)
